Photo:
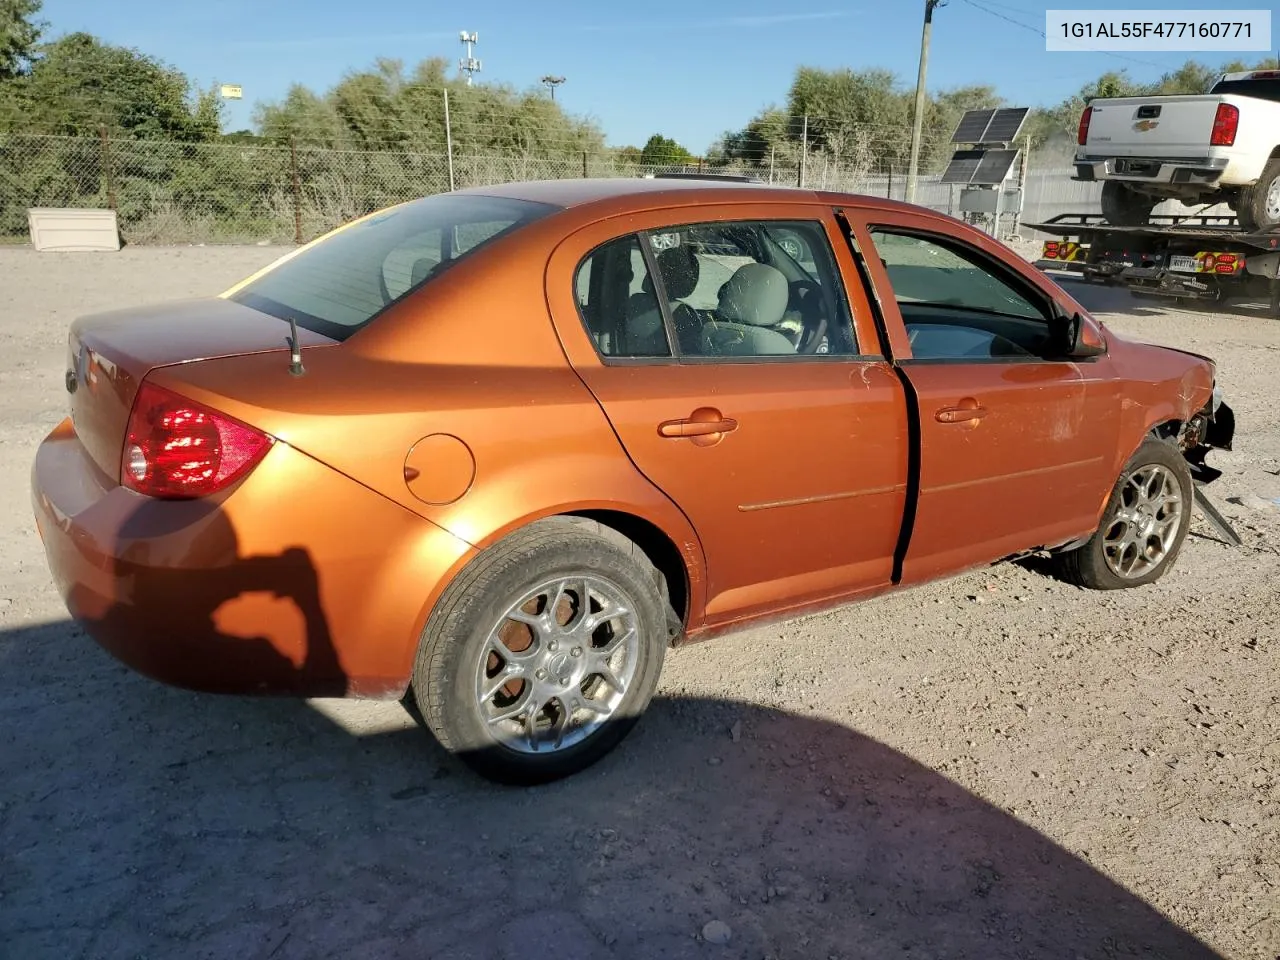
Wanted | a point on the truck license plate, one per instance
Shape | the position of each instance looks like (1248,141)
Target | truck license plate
(1184,264)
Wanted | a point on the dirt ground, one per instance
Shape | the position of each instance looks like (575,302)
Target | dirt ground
(997,765)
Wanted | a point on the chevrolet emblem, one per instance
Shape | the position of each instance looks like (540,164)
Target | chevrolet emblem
(1145,125)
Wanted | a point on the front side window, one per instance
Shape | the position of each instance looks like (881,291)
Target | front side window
(344,281)
(956,305)
(728,290)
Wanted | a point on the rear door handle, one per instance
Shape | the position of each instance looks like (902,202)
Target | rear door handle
(966,411)
(696,428)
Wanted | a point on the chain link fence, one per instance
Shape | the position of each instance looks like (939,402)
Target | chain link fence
(166,192)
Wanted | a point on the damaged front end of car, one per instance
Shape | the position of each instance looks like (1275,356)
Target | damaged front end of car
(1213,427)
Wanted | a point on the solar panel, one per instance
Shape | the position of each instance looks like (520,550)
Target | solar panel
(971,126)
(994,167)
(1005,125)
(963,165)
(990,126)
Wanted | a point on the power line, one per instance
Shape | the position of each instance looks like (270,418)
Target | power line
(1040,33)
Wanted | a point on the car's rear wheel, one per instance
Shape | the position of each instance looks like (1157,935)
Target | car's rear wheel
(544,652)
(1124,206)
(1143,526)
(1259,205)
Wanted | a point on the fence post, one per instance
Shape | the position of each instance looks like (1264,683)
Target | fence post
(107,172)
(804,148)
(297,191)
(888,194)
(584,164)
(448,137)
(773,149)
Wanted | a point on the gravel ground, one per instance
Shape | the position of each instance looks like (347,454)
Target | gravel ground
(997,765)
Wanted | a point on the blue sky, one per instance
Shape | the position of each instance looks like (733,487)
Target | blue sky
(685,69)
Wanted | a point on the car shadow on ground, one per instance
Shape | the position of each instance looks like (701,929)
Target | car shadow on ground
(141,820)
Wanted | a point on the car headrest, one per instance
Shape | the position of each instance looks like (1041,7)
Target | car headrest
(680,271)
(756,295)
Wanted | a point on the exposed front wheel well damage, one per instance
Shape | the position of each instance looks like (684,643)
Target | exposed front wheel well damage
(657,546)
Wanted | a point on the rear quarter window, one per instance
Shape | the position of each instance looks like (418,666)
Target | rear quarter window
(343,282)
(1260,88)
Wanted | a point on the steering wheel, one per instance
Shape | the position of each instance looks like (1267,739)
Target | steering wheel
(807,296)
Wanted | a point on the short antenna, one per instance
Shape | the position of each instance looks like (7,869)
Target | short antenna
(295,350)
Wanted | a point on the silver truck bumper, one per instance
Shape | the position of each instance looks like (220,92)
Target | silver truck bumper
(1207,170)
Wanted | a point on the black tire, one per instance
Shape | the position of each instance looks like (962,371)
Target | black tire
(456,639)
(1254,211)
(1087,565)
(1124,206)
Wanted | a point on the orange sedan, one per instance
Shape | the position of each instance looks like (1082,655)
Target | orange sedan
(502,447)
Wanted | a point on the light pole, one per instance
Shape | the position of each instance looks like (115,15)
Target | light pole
(917,125)
(552,83)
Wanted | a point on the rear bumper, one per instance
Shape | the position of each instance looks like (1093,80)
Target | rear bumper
(1208,171)
(296,581)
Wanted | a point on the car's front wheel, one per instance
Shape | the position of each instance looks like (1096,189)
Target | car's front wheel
(541,656)
(1143,526)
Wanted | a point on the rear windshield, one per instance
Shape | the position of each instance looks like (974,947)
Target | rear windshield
(343,282)
(1263,88)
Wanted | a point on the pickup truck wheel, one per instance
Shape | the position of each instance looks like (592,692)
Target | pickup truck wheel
(542,655)
(1260,203)
(1143,526)
(1124,206)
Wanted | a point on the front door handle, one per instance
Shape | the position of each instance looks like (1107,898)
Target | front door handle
(705,423)
(966,411)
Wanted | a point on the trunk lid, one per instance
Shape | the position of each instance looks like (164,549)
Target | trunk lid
(1156,127)
(109,354)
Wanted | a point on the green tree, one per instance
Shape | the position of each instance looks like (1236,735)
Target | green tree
(19,34)
(78,84)
(663,151)
(385,108)
(860,119)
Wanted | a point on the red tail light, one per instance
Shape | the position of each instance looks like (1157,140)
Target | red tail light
(1082,137)
(1225,124)
(176,448)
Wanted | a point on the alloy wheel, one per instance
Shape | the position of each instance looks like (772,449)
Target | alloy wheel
(558,664)
(1144,527)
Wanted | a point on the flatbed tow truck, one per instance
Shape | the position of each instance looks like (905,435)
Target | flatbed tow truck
(1201,257)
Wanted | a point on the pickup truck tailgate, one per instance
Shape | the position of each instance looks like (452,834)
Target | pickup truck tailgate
(1177,127)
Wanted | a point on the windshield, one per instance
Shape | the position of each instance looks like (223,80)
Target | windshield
(1261,88)
(343,282)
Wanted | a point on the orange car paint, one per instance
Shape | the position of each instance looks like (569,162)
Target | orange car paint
(478,403)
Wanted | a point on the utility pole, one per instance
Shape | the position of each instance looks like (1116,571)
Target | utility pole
(917,125)
(552,83)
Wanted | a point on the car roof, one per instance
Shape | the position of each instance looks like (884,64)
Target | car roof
(618,193)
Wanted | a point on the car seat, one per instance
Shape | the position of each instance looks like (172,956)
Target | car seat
(680,272)
(753,300)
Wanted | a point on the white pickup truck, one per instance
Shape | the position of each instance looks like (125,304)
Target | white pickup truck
(1220,147)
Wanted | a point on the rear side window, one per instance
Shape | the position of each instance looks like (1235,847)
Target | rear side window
(344,281)
(617,300)
(733,289)
(1261,88)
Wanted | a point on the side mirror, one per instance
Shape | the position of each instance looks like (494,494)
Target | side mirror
(1084,338)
